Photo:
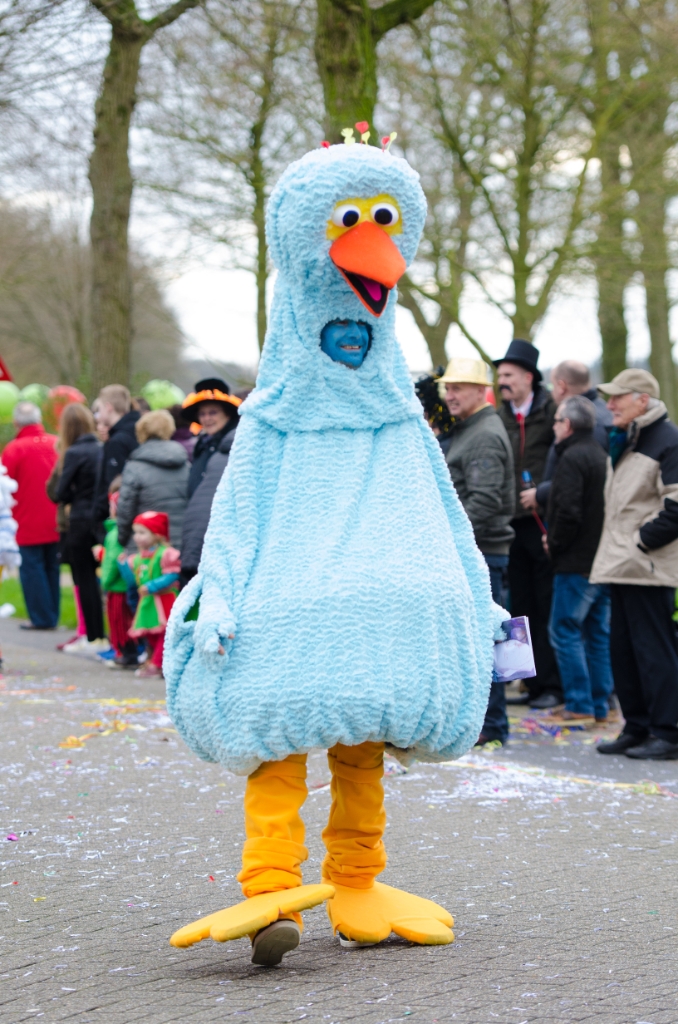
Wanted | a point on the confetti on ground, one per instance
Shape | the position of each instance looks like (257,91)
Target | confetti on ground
(646,787)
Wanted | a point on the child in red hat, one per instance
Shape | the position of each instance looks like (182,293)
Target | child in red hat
(155,572)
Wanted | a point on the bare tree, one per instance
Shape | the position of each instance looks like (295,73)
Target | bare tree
(111,180)
(45,316)
(233,101)
(348,33)
(634,79)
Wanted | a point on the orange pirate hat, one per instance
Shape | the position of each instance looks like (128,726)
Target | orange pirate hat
(211,389)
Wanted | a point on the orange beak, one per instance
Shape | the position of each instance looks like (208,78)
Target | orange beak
(370,263)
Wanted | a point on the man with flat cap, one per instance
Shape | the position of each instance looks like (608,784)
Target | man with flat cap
(638,557)
(527,411)
(216,410)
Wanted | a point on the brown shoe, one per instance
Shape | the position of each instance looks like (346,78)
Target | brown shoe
(571,717)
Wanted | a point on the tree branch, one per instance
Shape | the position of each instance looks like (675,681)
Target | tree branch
(396,12)
(171,14)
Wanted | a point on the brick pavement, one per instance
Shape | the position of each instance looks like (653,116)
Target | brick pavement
(564,892)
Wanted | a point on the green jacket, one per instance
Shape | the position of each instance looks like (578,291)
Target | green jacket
(111,580)
(538,440)
(480,462)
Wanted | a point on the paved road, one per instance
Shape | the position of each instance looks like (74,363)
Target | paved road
(564,891)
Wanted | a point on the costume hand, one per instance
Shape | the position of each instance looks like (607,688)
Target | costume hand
(220,649)
(212,636)
(97,551)
(545,543)
(528,498)
(144,591)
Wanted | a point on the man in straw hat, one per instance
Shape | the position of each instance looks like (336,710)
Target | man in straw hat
(638,557)
(480,461)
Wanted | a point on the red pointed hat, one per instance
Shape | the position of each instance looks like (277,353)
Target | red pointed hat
(156,522)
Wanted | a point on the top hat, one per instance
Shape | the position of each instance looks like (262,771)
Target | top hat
(211,389)
(522,353)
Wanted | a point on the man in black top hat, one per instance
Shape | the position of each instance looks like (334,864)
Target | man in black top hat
(216,410)
(527,411)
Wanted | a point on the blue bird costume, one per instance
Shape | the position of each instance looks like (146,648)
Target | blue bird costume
(343,602)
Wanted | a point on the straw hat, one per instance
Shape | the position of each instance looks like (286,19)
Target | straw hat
(466,371)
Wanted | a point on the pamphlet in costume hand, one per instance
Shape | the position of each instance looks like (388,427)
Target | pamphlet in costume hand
(343,602)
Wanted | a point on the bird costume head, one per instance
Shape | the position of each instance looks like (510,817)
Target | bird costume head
(343,224)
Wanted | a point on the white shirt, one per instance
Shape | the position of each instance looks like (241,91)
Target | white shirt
(523,409)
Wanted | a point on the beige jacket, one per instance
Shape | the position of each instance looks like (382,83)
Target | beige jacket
(635,495)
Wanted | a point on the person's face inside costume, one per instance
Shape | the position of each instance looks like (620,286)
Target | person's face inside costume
(212,417)
(346,341)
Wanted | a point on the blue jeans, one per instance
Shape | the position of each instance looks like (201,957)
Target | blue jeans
(495,726)
(39,575)
(579,631)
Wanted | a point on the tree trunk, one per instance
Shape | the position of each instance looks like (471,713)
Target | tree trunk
(649,145)
(612,266)
(345,51)
(651,218)
(346,38)
(261,272)
(611,321)
(111,180)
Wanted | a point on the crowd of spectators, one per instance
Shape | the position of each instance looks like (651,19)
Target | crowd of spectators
(583,542)
(571,490)
(108,497)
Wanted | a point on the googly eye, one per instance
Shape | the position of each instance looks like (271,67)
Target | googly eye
(384,214)
(346,216)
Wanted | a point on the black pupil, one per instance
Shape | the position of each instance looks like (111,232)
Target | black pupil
(350,218)
(383,216)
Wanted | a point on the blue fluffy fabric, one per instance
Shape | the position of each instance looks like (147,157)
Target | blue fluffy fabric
(338,553)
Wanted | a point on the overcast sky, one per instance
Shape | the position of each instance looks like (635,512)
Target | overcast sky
(216,310)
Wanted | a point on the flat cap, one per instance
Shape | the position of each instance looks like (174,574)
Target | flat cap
(631,380)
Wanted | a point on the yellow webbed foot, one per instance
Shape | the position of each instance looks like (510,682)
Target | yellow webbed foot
(370,915)
(249,916)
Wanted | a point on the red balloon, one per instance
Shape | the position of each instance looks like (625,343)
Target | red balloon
(57,400)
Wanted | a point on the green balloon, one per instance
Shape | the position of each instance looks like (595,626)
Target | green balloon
(9,396)
(36,393)
(160,394)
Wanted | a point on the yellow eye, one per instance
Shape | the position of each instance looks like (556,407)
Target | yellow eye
(346,215)
(384,214)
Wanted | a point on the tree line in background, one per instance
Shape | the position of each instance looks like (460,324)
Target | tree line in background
(544,132)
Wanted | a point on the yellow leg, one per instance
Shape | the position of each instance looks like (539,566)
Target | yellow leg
(274,849)
(271,861)
(353,836)
(362,909)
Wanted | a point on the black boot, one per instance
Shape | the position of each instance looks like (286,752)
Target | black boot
(623,742)
(653,749)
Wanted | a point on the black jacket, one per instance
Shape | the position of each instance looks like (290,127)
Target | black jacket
(538,437)
(122,440)
(205,447)
(600,434)
(576,507)
(77,482)
(197,515)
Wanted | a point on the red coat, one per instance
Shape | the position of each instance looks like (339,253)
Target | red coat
(29,459)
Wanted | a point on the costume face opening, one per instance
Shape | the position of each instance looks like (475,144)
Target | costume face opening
(362,250)
(346,341)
